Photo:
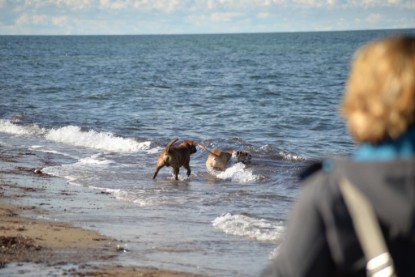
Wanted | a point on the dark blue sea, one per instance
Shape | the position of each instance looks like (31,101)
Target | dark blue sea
(102,108)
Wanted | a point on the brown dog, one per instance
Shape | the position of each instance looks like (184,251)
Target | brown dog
(218,159)
(176,157)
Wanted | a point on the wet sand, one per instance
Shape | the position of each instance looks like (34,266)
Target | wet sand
(62,248)
(28,240)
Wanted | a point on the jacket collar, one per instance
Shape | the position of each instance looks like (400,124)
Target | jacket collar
(400,148)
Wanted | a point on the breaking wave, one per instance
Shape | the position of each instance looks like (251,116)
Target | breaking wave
(8,127)
(246,226)
(75,136)
(237,173)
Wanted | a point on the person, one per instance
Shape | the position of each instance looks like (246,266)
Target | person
(379,110)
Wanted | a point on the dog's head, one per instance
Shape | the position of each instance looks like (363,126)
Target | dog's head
(191,145)
(243,156)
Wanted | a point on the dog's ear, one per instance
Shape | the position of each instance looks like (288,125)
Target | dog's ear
(194,144)
(189,143)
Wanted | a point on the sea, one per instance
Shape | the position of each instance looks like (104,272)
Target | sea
(100,109)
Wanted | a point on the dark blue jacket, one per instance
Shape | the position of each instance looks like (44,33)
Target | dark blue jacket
(320,239)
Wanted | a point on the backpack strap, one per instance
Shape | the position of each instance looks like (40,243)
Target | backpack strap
(379,261)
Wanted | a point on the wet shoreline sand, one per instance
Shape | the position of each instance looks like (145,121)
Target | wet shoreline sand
(32,238)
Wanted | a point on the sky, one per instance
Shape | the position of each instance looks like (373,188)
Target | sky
(121,17)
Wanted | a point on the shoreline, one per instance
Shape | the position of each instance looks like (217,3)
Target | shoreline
(31,238)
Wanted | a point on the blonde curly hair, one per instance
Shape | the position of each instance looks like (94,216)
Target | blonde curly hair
(379,101)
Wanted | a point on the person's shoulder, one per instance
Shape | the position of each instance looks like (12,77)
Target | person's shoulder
(332,166)
(319,181)
(310,169)
(316,171)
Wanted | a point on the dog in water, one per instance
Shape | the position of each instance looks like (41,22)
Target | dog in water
(218,159)
(176,157)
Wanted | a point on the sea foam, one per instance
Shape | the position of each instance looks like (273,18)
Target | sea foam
(8,127)
(246,226)
(94,160)
(237,173)
(73,135)
(291,157)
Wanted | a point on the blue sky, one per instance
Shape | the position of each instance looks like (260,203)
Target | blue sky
(85,17)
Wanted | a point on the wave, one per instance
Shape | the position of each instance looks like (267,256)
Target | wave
(124,195)
(84,171)
(237,173)
(73,135)
(41,148)
(8,127)
(279,154)
(119,194)
(138,198)
(94,160)
(290,156)
(246,226)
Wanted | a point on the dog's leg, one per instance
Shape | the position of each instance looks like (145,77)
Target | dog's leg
(176,173)
(187,166)
(157,171)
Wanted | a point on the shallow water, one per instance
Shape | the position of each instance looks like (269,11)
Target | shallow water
(98,110)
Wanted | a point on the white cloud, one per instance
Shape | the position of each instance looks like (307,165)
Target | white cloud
(169,16)
(210,4)
(60,20)
(235,4)
(269,2)
(160,5)
(373,18)
(75,4)
(166,5)
(409,4)
(27,19)
(224,16)
(39,19)
(169,6)
(23,20)
(263,15)
(195,19)
(114,5)
(382,3)
(314,3)
(361,2)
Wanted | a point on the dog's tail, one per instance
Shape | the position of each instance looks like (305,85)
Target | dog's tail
(206,150)
(169,145)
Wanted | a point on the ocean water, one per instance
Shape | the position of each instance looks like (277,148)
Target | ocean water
(102,108)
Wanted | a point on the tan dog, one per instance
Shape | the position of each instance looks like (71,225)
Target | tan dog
(176,157)
(219,159)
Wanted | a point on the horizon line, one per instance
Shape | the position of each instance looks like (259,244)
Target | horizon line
(224,33)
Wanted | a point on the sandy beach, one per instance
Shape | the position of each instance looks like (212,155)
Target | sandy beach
(29,242)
